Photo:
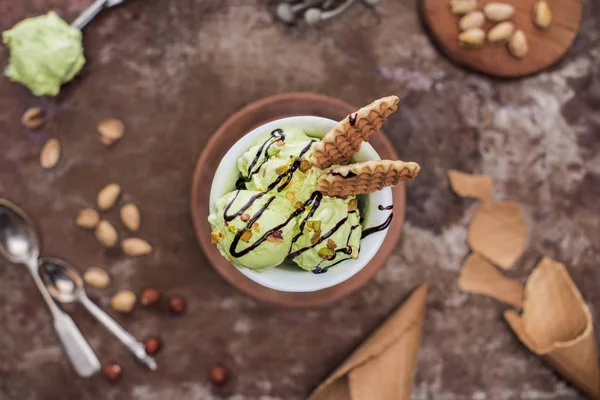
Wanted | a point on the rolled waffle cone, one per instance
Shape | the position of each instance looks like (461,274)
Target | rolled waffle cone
(383,367)
(347,135)
(366,177)
(557,325)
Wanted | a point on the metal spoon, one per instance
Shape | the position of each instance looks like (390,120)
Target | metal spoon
(315,15)
(89,13)
(19,244)
(65,284)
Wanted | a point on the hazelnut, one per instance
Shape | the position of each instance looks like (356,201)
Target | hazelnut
(112,372)
(177,305)
(219,375)
(149,297)
(152,345)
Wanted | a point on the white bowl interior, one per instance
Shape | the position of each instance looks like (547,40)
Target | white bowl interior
(289,277)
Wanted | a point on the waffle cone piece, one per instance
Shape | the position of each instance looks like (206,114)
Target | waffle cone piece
(383,367)
(557,325)
(366,177)
(347,135)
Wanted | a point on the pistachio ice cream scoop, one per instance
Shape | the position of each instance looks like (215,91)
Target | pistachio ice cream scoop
(45,52)
(252,229)
(278,164)
(328,233)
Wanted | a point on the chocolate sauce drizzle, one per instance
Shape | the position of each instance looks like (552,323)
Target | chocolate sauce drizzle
(315,200)
(323,238)
(241,210)
(287,175)
(232,249)
(319,270)
(377,228)
(352,119)
(274,137)
(349,175)
(382,208)
(346,250)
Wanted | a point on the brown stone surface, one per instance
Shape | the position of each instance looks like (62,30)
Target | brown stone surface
(173,71)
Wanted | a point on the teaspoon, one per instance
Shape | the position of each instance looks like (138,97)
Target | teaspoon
(66,286)
(19,244)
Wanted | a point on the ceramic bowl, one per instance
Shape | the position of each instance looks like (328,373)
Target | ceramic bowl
(288,277)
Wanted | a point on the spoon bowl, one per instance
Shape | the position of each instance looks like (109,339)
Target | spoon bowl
(19,242)
(63,282)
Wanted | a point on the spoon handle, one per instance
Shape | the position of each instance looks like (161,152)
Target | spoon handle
(88,14)
(136,348)
(82,357)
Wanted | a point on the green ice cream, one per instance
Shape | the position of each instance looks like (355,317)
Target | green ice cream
(279,213)
(279,165)
(45,52)
(252,229)
(328,233)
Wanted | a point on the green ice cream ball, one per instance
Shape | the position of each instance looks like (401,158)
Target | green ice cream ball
(45,52)
(272,251)
(269,143)
(316,253)
(299,188)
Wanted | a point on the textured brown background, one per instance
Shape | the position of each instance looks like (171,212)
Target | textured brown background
(173,71)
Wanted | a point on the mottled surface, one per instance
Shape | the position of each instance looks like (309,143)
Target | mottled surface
(173,71)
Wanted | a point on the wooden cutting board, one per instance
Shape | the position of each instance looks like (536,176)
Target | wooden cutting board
(546,47)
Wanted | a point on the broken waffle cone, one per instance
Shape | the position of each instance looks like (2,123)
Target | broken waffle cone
(557,325)
(480,277)
(383,367)
(467,185)
(498,232)
(366,177)
(346,137)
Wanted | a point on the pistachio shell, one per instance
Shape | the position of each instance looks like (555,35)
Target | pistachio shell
(108,196)
(87,218)
(123,301)
(517,44)
(136,247)
(50,155)
(501,32)
(541,15)
(96,277)
(130,215)
(498,12)
(474,19)
(472,38)
(460,7)
(106,234)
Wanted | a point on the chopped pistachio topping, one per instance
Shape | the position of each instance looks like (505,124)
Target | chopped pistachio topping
(314,224)
(326,253)
(246,236)
(352,205)
(315,237)
(305,166)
